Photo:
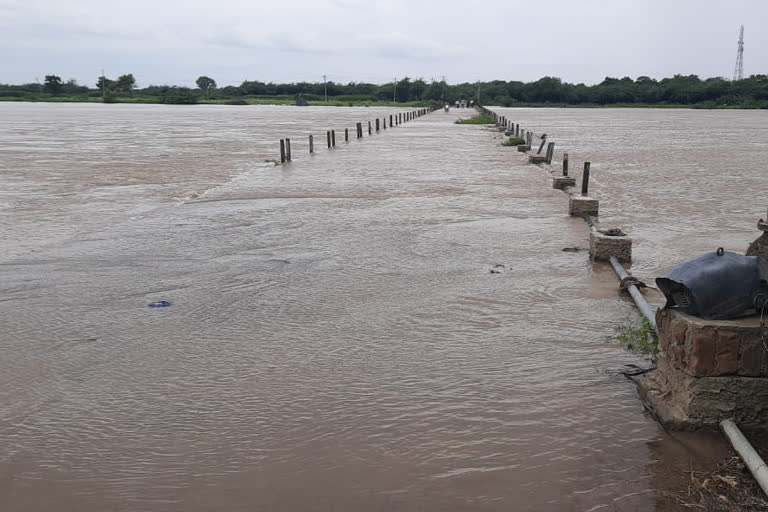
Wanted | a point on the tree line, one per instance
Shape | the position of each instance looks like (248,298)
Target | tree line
(690,90)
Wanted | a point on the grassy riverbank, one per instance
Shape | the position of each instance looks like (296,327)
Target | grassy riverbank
(513,141)
(678,91)
(269,100)
(477,119)
(705,106)
(181,96)
(283,100)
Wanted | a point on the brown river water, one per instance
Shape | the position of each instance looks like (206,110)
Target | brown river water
(336,340)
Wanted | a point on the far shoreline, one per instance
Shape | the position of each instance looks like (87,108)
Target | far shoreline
(291,102)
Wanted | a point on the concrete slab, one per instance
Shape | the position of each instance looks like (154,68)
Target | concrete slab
(561,182)
(579,205)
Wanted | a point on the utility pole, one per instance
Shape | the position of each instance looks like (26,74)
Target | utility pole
(394,92)
(478,93)
(103,86)
(442,97)
(325,88)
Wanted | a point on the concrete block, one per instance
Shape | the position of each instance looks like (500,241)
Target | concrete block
(701,352)
(727,356)
(678,330)
(561,182)
(672,339)
(522,148)
(602,247)
(579,205)
(753,356)
(535,159)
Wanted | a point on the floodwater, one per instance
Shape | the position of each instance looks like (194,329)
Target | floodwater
(680,181)
(337,340)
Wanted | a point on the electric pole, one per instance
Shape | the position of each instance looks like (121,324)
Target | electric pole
(103,86)
(325,88)
(478,93)
(394,91)
(442,97)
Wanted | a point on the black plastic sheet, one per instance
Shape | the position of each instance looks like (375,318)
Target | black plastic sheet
(714,286)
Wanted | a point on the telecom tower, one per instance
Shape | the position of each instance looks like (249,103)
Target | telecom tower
(738,73)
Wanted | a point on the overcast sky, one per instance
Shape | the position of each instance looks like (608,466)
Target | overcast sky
(174,42)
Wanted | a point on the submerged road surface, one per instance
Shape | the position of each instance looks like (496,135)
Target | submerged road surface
(393,325)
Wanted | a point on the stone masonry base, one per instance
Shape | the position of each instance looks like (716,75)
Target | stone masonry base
(708,371)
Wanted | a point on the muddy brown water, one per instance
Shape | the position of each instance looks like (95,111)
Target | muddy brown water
(337,340)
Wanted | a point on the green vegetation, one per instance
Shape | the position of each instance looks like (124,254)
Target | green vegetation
(125,84)
(178,96)
(52,84)
(123,90)
(679,91)
(640,339)
(206,85)
(477,119)
(513,141)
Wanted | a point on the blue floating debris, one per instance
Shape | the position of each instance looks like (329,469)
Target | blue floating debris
(159,304)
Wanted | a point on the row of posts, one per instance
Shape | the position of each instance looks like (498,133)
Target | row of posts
(515,129)
(604,245)
(394,120)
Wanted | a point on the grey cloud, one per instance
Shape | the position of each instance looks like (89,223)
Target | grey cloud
(580,41)
(389,44)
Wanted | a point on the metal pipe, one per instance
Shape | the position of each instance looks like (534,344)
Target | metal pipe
(748,454)
(640,301)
